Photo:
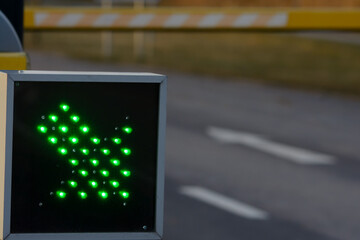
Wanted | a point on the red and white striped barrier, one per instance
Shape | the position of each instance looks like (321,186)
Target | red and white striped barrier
(174,19)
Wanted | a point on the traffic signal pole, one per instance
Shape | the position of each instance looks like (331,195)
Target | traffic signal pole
(14,11)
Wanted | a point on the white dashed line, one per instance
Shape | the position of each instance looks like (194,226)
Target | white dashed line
(224,203)
(294,154)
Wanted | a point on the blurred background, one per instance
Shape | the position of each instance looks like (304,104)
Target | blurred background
(263,126)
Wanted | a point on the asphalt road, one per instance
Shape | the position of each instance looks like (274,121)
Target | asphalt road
(242,159)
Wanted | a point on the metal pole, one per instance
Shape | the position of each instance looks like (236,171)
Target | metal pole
(139,37)
(106,37)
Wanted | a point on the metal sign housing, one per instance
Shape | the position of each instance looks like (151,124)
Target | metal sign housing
(67,172)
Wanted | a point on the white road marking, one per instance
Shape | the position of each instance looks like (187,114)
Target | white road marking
(223,202)
(294,154)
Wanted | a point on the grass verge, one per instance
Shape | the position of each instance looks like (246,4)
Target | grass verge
(279,59)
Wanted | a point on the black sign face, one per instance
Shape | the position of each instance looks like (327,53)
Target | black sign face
(84,157)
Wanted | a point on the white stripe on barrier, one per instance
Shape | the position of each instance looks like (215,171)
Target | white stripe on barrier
(40,17)
(210,20)
(106,20)
(141,20)
(176,20)
(70,19)
(245,20)
(279,20)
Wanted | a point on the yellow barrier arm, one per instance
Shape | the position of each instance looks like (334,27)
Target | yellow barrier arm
(13,61)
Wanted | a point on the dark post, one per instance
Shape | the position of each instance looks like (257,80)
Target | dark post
(14,11)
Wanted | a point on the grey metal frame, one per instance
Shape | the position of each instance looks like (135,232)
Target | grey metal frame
(52,76)
(10,41)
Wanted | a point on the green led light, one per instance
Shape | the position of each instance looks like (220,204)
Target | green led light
(105,151)
(63,128)
(124,194)
(128,130)
(83,173)
(84,129)
(115,162)
(85,151)
(64,107)
(116,140)
(73,140)
(42,129)
(93,184)
(94,162)
(103,194)
(82,195)
(126,173)
(75,118)
(74,162)
(53,118)
(62,151)
(105,173)
(126,151)
(95,140)
(61,194)
(53,140)
(69,143)
(115,184)
(73,184)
